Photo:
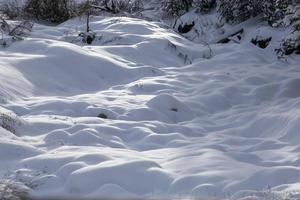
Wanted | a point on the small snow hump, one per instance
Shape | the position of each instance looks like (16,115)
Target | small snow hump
(171,107)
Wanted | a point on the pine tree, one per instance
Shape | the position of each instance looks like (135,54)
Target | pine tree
(237,10)
(204,5)
(177,7)
(49,10)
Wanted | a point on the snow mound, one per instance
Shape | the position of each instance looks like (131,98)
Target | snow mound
(175,110)
(148,174)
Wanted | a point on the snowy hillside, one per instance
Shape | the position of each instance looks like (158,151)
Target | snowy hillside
(144,112)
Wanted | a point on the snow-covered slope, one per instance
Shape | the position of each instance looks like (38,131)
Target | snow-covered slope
(178,124)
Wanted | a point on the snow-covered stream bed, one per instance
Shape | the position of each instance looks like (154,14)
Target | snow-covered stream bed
(177,124)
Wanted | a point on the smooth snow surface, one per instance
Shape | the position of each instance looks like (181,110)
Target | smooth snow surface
(177,123)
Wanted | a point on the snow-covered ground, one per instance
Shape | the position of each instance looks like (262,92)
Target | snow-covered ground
(178,124)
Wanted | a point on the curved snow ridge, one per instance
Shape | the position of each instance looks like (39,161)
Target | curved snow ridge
(139,41)
(130,116)
(44,65)
(69,69)
(148,172)
(13,83)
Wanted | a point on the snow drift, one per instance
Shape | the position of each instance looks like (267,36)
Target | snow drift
(172,123)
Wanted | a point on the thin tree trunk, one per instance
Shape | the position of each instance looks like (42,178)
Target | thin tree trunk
(88,22)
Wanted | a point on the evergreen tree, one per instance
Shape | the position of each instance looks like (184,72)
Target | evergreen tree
(237,10)
(11,9)
(274,10)
(204,5)
(177,7)
(54,11)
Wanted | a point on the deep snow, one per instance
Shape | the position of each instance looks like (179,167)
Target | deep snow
(178,124)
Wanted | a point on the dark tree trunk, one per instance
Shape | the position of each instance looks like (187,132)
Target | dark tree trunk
(88,22)
(187,4)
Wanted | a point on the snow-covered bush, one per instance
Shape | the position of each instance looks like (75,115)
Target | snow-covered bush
(235,11)
(87,37)
(10,190)
(115,6)
(129,6)
(176,7)
(109,5)
(273,11)
(291,45)
(292,16)
(49,10)
(9,120)
(204,5)
(13,32)
(11,8)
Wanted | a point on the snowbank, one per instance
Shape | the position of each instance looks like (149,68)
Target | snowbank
(171,122)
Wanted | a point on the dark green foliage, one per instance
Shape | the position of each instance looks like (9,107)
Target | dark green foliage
(177,7)
(235,11)
(130,6)
(54,11)
(11,9)
(293,16)
(274,10)
(118,6)
(204,5)
(290,46)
